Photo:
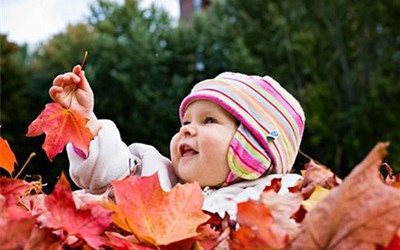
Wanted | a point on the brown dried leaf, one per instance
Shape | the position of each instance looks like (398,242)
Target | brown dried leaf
(360,213)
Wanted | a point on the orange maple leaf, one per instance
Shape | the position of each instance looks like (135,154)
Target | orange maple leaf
(61,126)
(7,157)
(156,216)
(360,213)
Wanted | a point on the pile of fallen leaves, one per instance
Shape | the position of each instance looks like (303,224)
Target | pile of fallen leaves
(320,212)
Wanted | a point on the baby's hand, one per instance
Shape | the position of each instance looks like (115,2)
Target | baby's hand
(72,90)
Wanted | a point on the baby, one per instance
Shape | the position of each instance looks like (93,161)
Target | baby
(238,133)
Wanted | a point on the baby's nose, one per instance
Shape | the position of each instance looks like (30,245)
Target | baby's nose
(187,130)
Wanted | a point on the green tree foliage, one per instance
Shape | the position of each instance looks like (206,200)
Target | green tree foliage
(129,69)
(15,99)
(57,56)
(356,63)
(220,44)
(139,66)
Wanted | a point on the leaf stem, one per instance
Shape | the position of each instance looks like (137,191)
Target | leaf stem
(25,164)
(309,157)
(84,59)
(82,65)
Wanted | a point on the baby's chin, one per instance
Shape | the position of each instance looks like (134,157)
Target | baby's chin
(183,180)
(209,184)
(188,180)
(185,177)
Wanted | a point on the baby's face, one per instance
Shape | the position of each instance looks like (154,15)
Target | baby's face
(199,150)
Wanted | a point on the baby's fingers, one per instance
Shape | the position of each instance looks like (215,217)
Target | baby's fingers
(56,94)
(66,79)
(77,70)
(54,91)
(83,84)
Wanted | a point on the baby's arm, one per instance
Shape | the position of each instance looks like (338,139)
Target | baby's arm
(109,159)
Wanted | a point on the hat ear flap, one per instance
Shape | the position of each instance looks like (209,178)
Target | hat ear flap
(247,159)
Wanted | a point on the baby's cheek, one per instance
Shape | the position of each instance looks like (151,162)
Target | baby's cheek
(173,145)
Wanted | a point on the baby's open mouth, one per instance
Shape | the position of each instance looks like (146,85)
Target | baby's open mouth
(186,150)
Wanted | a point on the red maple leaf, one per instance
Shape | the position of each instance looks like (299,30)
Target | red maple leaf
(256,228)
(215,232)
(394,244)
(14,217)
(15,226)
(156,216)
(13,190)
(60,212)
(61,126)
(7,157)
(119,242)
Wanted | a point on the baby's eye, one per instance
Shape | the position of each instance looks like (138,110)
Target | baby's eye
(209,120)
(185,123)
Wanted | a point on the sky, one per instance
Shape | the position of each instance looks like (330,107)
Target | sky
(35,21)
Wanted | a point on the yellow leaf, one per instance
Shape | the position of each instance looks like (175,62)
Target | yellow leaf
(319,194)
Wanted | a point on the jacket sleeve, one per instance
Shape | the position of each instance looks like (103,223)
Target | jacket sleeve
(109,159)
(150,161)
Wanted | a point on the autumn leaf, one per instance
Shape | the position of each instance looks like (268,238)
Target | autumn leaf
(14,217)
(156,216)
(256,228)
(42,239)
(12,190)
(358,214)
(317,174)
(275,185)
(391,178)
(10,223)
(61,126)
(317,195)
(394,244)
(119,242)
(215,232)
(60,212)
(210,238)
(7,157)
(283,207)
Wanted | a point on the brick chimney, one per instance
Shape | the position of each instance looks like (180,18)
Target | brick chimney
(188,7)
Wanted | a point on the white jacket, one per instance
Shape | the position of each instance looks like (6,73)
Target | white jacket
(111,159)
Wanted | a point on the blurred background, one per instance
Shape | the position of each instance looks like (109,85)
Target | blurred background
(340,59)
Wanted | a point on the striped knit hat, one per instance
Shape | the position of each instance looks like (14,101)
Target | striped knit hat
(271,122)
